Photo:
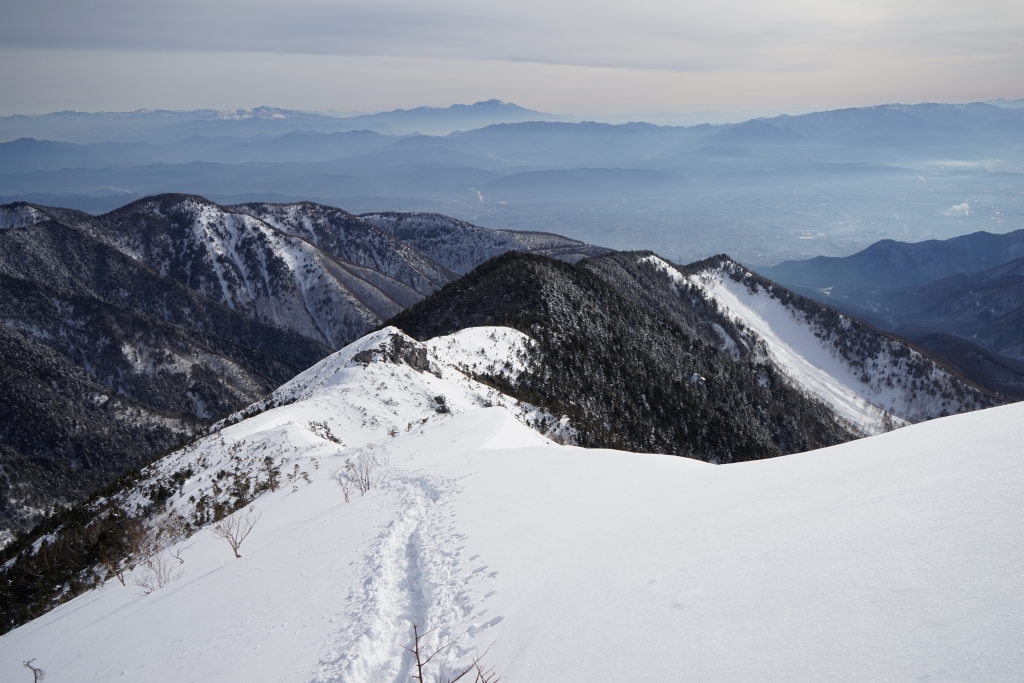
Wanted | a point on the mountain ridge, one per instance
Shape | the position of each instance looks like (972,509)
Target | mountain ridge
(182,311)
(330,583)
(968,287)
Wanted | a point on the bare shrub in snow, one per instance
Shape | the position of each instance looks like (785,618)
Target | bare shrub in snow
(361,472)
(341,477)
(235,528)
(483,674)
(142,545)
(113,565)
(170,530)
(37,673)
(154,573)
(139,539)
(176,553)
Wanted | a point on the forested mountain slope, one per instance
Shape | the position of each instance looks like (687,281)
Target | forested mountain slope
(643,356)
(159,361)
(624,375)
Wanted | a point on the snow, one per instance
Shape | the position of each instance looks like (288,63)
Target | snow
(896,557)
(808,360)
(673,274)
(485,350)
(12,217)
(277,278)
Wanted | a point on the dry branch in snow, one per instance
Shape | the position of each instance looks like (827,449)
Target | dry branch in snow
(37,673)
(361,473)
(235,528)
(154,573)
(483,675)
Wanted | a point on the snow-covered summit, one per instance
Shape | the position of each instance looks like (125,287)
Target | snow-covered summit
(387,382)
(248,265)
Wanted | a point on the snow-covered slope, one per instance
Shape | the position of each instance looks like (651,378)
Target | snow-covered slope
(246,264)
(315,270)
(897,557)
(874,382)
(355,241)
(19,216)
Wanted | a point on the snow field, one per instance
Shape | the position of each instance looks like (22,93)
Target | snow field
(897,557)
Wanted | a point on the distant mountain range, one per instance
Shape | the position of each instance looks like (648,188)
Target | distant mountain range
(162,126)
(503,137)
(890,263)
(444,120)
(850,176)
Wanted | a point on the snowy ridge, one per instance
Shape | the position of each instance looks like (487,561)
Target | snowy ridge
(354,403)
(872,382)
(246,264)
(893,557)
(353,240)
(389,383)
(19,216)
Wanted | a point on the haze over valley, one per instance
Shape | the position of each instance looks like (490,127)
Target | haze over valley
(765,190)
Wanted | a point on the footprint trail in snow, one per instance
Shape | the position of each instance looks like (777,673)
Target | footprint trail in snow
(410,575)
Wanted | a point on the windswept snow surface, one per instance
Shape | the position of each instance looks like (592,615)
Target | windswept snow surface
(898,557)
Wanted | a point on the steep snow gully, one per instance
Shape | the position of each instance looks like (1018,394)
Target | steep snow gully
(897,557)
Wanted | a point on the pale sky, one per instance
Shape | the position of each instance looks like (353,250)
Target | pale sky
(560,56)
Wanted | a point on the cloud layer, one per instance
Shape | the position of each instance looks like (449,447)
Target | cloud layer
(792,44)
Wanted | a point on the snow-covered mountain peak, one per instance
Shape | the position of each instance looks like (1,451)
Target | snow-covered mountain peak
(354,402)
(468,353)
(664,267)
(243,262)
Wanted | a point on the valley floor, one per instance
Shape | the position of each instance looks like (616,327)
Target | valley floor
(897,557)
